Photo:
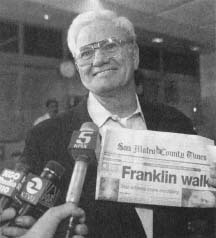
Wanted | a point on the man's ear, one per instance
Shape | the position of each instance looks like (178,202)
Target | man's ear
(136,56)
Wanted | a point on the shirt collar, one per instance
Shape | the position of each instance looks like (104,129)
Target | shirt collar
(99,114)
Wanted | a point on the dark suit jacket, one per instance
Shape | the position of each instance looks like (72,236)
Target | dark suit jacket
(49,141)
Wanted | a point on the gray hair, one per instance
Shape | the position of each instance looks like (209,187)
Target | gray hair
(87,18)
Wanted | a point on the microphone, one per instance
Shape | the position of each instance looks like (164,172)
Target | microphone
(11,182)
(82,148)
(39,193)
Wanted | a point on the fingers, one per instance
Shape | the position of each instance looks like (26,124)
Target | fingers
(212,179)
(213,170)
(68,209)
(7,215)
(13,231)
(82,218)
(46,226)
(25,221)
(212,182)
(81,229)
(22,222)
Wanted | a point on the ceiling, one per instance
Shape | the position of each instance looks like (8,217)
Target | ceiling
(181,23)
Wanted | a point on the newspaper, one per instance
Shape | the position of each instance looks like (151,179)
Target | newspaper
(157,168)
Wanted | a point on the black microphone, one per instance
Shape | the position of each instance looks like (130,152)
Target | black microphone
(11,182)
(82,147)
(39,193)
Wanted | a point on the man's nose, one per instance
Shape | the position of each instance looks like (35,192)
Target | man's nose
(99,58)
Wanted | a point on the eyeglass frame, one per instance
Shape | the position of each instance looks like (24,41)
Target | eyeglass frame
(98,45)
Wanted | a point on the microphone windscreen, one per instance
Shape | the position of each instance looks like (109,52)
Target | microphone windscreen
(54,166)
(88,126)
(84,141)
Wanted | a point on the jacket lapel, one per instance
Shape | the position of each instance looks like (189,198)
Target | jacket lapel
(81,112)
(151,116)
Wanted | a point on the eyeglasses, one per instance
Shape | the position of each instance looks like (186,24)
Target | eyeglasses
(109,48)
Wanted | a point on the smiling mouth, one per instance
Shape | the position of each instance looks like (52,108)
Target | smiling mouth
(103,72)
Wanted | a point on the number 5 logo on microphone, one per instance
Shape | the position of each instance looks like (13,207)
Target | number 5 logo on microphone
(84,137)
(83,140)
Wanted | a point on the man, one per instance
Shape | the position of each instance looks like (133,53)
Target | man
(106,54)
(52,111)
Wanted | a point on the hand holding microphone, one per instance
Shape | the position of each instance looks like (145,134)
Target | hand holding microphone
(38,194)
(23,223)
(82,148)
(46,226)
(11,182)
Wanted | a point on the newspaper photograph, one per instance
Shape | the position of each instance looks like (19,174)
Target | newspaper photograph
(157,168)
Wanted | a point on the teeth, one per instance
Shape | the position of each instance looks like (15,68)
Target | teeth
(104,72)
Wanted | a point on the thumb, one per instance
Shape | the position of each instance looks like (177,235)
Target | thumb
(46,226)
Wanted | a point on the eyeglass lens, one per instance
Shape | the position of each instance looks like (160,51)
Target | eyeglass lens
(108,48)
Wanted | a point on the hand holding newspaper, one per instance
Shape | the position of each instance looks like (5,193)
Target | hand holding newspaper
(157,168)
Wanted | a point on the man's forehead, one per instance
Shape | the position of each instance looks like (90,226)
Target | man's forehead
(97,32)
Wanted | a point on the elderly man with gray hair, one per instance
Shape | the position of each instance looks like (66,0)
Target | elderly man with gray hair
(106,55)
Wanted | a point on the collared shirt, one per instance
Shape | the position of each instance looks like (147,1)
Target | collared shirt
(103,118)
